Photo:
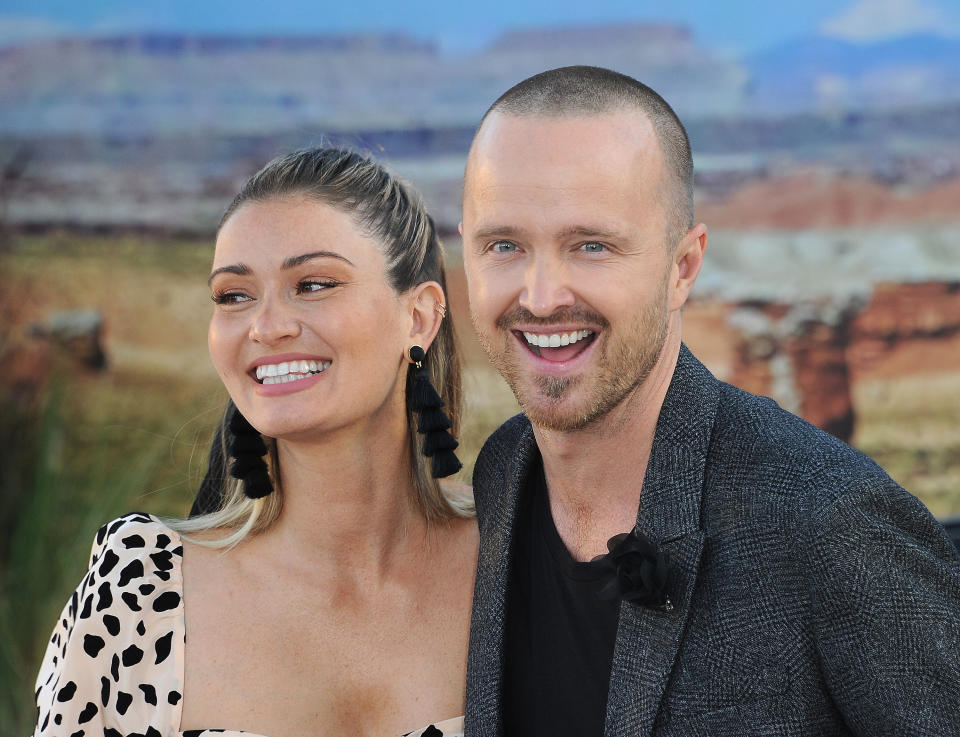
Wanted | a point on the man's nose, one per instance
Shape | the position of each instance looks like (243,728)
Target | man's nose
(273,321)
(546,287)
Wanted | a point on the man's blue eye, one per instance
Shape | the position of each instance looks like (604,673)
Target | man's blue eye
(593,247)
(504,247)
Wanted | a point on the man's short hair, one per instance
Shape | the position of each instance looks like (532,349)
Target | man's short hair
(584,90)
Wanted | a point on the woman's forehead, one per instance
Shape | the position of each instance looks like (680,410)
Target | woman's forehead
(278,229)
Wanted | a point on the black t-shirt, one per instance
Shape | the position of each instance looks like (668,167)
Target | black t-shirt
(559,635)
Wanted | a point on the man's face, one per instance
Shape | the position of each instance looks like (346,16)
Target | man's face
(567,268)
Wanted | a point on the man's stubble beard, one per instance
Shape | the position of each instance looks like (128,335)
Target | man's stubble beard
(622,367)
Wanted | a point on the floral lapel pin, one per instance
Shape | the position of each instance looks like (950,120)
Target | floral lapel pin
(635,570)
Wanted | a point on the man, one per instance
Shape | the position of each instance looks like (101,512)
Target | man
(806,593)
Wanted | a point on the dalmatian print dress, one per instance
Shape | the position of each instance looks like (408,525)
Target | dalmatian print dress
(114,666)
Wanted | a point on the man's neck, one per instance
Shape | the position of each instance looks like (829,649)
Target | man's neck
(595,475)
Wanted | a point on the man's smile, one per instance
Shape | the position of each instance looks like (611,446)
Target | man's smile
(556,346)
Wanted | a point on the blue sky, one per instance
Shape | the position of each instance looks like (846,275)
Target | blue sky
(736,26)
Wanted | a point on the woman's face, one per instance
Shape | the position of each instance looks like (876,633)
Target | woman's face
(306,333)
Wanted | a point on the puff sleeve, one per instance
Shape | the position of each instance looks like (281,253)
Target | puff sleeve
(114,664)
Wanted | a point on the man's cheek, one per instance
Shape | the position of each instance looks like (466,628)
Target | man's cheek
(482,301)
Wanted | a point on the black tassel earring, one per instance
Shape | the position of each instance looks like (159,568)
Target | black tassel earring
(434,423)
(248,450)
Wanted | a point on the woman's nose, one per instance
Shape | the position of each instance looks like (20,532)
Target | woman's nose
(273,321)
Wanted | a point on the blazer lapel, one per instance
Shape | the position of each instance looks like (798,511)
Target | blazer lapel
(648,640)
(485,660)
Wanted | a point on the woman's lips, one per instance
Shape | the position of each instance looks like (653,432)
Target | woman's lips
(285,373)
(276,386)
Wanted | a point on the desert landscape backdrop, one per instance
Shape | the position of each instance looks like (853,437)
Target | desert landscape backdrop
(827,171)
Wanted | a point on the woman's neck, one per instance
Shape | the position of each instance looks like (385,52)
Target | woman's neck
(349,496)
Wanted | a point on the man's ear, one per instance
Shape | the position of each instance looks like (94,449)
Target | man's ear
(687,260)
(427,309)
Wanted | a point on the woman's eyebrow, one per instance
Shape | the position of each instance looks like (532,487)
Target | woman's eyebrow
(297,260)
(290,263)
(240,269)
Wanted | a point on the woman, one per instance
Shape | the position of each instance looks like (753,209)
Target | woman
(331,591)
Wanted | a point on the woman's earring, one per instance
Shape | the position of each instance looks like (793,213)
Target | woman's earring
(247,451)
(434,423)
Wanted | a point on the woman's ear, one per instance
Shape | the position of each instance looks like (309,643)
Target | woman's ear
(428,306)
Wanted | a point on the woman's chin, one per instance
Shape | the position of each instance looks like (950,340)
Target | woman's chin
(289,430)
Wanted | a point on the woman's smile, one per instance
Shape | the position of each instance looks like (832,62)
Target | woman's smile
(281,370)
(288,373)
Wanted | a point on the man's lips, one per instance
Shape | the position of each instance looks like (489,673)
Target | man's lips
(556,346)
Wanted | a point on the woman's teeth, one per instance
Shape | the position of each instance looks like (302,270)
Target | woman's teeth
(281,373)
(556,340)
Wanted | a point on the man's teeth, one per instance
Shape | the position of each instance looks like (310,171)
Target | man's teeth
(555,340)
(281,373)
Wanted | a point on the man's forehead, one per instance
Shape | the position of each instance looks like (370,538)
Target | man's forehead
(500,129)
(597,149)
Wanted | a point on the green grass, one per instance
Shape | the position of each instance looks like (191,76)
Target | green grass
(80,447)
(66,472)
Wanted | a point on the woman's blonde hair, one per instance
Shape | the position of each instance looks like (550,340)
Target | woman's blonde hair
(395,215)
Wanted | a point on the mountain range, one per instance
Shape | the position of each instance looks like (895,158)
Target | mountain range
(152,84)
(818,73)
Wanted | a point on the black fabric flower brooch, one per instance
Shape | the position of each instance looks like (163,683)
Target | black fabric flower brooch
(636,571)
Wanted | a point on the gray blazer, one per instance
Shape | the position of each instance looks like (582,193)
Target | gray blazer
(813,595)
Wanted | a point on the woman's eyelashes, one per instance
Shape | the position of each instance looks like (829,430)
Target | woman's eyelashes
(302,287)
(307,286)
(229,297)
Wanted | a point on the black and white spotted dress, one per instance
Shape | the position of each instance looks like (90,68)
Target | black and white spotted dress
(114,666)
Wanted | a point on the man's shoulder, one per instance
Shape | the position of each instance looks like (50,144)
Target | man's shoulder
(760,451)
(752,429)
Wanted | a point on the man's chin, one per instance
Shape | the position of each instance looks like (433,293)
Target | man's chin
(552,409)
(556,417)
